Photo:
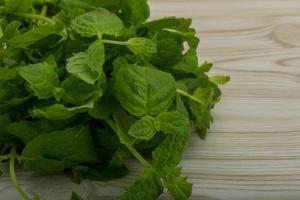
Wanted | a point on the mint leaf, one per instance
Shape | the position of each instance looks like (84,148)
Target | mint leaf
(56,151)
(77,92)
(170,151)
(205,67)
(142,47)
(25,130)
(188,63)
(16,6)
(41,79)
(97,23)
(7,74)
(33,36)
(134,12)
(11,30)
(144,128)
(144,91)
(201,112)
(171,122)
(177,185)
(180,24)
(87,65)
(59,111)
(148,186)
(220,80)
(169,50)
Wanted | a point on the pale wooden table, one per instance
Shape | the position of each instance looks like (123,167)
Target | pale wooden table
(253,149)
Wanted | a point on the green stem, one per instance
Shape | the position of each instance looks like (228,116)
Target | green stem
(138,156)
(13,156)
(34,16)
(183,93)
(132,150)
(111,123)
(4,157)
(123,43)
(44,10)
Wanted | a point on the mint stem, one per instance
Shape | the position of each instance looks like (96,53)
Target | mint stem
(138,156)
(34,16)
(185,94)
(4,157)
(132,150)
(123,43)
(44,10)
(13,156)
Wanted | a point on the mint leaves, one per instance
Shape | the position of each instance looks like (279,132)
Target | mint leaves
(144,91)
(86,84)
(41,78)
(97,23)
(87,65)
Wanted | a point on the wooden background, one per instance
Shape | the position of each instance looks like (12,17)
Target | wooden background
(253,149)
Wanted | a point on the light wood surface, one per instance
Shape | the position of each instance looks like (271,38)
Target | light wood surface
(253,149)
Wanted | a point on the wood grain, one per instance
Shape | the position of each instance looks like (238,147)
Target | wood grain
(253,149)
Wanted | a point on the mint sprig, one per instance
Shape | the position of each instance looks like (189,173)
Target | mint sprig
(85,84)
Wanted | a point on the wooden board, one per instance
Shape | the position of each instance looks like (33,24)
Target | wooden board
(253,149)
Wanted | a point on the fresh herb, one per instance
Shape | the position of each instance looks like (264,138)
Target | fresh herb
(85,84)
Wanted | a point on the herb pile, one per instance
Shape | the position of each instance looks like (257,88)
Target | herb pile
(85,84)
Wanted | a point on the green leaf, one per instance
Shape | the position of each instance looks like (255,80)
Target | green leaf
(205,67)
(97,23)
(134,12)
(13,104)
(11,30)
(25,130)
(180,24)
(77,92)
(105,106)
(74,8)
(188,63)
(123,122)
(150,145)
(59,111)
(41,78)
(177,185)
(144,129)
(170,151)
(180,107)
(169,50)
(144,91)
(148,187)
(54,152)
(7,74)
(171,122)
(189,36)
(220,80)
(201,112)
(12,6)
(34,35)
(142,47)
(167,156)
(87,65)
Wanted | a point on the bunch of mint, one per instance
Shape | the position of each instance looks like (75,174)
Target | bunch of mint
(85,84)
